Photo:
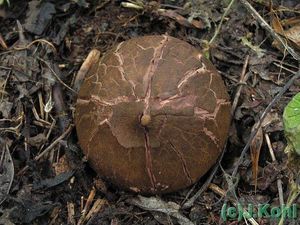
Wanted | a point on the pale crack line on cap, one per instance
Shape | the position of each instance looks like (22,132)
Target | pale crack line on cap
(81,101)
(209,86)
(149,166)
(211,136)
(183,162)
(162,126)
(157,56)
(141,47)
(191,73)
(93,133)
(115,101)
(205,115)
(122,71)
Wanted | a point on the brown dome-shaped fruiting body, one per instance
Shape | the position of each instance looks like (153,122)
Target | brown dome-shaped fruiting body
(152,115)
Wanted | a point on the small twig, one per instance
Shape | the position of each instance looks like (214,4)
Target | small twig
(55,75)
(217,31)
(102,4)
(229,77)
(41,104)
(6,52)
(98,205)
(137,6)
(2,160)
(5,68)
(43,41)
(283,67)
(60,107)
(36,116)
(171,6)
(6,157)
(71,213)
(279,182)
(54,143)
(244,77)
(190,202)
(3,85)
(285,63)
(2,42)
(49,131)
(268,28)
(293,195)
(14,130)
(22,39)
(131,5)
(81,203)
(49,148)
(87,206)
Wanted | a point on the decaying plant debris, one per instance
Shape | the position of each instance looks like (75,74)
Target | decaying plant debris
(42,46)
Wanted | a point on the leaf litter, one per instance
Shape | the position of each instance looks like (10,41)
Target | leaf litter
(39,59)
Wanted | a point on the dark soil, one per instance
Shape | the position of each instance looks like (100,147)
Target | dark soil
(42,46)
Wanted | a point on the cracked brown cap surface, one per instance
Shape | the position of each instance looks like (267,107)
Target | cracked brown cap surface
(152,115)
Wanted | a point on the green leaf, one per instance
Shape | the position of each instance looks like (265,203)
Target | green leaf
(291,121)
(2,2)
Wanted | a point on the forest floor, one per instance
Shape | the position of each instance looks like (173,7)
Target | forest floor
(44,177)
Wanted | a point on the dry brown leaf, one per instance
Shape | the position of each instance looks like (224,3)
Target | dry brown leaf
(291,21)
(292,35)
(2,42)
(182,20)
(276,24)
(62,166)
(255,152)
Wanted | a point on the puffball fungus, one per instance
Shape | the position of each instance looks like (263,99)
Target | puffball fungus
(152,115)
